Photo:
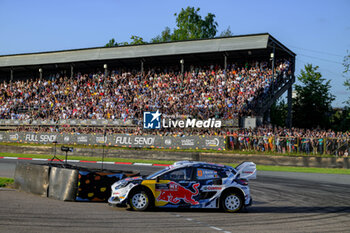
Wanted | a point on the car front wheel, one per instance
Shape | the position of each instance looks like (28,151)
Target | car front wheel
(139,200)
(232,202)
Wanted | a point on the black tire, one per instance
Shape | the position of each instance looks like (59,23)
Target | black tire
(231,202)
(139,200)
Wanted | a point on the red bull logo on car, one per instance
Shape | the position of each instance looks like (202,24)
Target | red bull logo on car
(176,192)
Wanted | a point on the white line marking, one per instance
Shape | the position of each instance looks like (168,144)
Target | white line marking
(216,228)
(105,162)
(78,161)
(203,224)
(143,164)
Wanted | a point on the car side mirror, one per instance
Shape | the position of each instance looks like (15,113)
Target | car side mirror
(157,179)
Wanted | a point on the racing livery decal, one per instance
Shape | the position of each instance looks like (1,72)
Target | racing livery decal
(188,184)
(176,192)
(211,188)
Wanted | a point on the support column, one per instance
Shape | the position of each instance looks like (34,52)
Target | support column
(273,69)
(105,67)
(11,77)
(225,61)
(71,70)
(141,67)
(290,100)
(267,116)
(41,73)
(182,61)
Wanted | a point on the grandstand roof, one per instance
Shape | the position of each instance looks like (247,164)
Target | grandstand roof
(178,48)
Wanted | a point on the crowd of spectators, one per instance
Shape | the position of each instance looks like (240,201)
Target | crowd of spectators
(263,138)
(201,92)
(284,140)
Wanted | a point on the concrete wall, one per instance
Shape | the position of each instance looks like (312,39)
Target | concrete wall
(300,161)
(32,178)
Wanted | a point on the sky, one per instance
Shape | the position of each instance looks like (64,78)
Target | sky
(317,31)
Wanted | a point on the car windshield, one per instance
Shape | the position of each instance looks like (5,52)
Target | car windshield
(154,175)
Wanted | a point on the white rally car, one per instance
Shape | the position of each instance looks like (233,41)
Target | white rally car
(188,184)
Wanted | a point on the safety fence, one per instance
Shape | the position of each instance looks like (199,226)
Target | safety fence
(277,144)
(120,140)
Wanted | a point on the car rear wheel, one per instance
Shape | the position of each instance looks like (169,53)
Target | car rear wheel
(139,200)
(232,202)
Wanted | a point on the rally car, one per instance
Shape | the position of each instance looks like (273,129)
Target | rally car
(190,185)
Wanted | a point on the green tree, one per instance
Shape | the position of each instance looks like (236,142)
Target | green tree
(340,119)
(190,25)
(134,40)
(165,36)
(226,32)
(278,113)
(137,40)
(111,43)
(123,43)
(312,105)
(346,64)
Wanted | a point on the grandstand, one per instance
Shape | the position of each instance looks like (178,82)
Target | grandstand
(227,78)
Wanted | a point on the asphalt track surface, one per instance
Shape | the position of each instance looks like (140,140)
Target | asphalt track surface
(283,202)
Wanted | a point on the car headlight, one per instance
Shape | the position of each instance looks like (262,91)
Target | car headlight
(120,184)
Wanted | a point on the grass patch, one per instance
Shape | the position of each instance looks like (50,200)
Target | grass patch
(259,167)
(5,182)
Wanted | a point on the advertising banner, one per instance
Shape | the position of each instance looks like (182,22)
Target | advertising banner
(120,140)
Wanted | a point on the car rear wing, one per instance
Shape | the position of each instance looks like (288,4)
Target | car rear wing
(246,170)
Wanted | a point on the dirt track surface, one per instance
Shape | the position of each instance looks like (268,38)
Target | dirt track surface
(280,205)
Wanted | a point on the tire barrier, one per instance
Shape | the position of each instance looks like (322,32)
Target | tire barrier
(32,178)
(96,186)
(67,183)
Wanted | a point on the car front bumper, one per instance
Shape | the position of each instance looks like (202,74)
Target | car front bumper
(114,200)
(249,202)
